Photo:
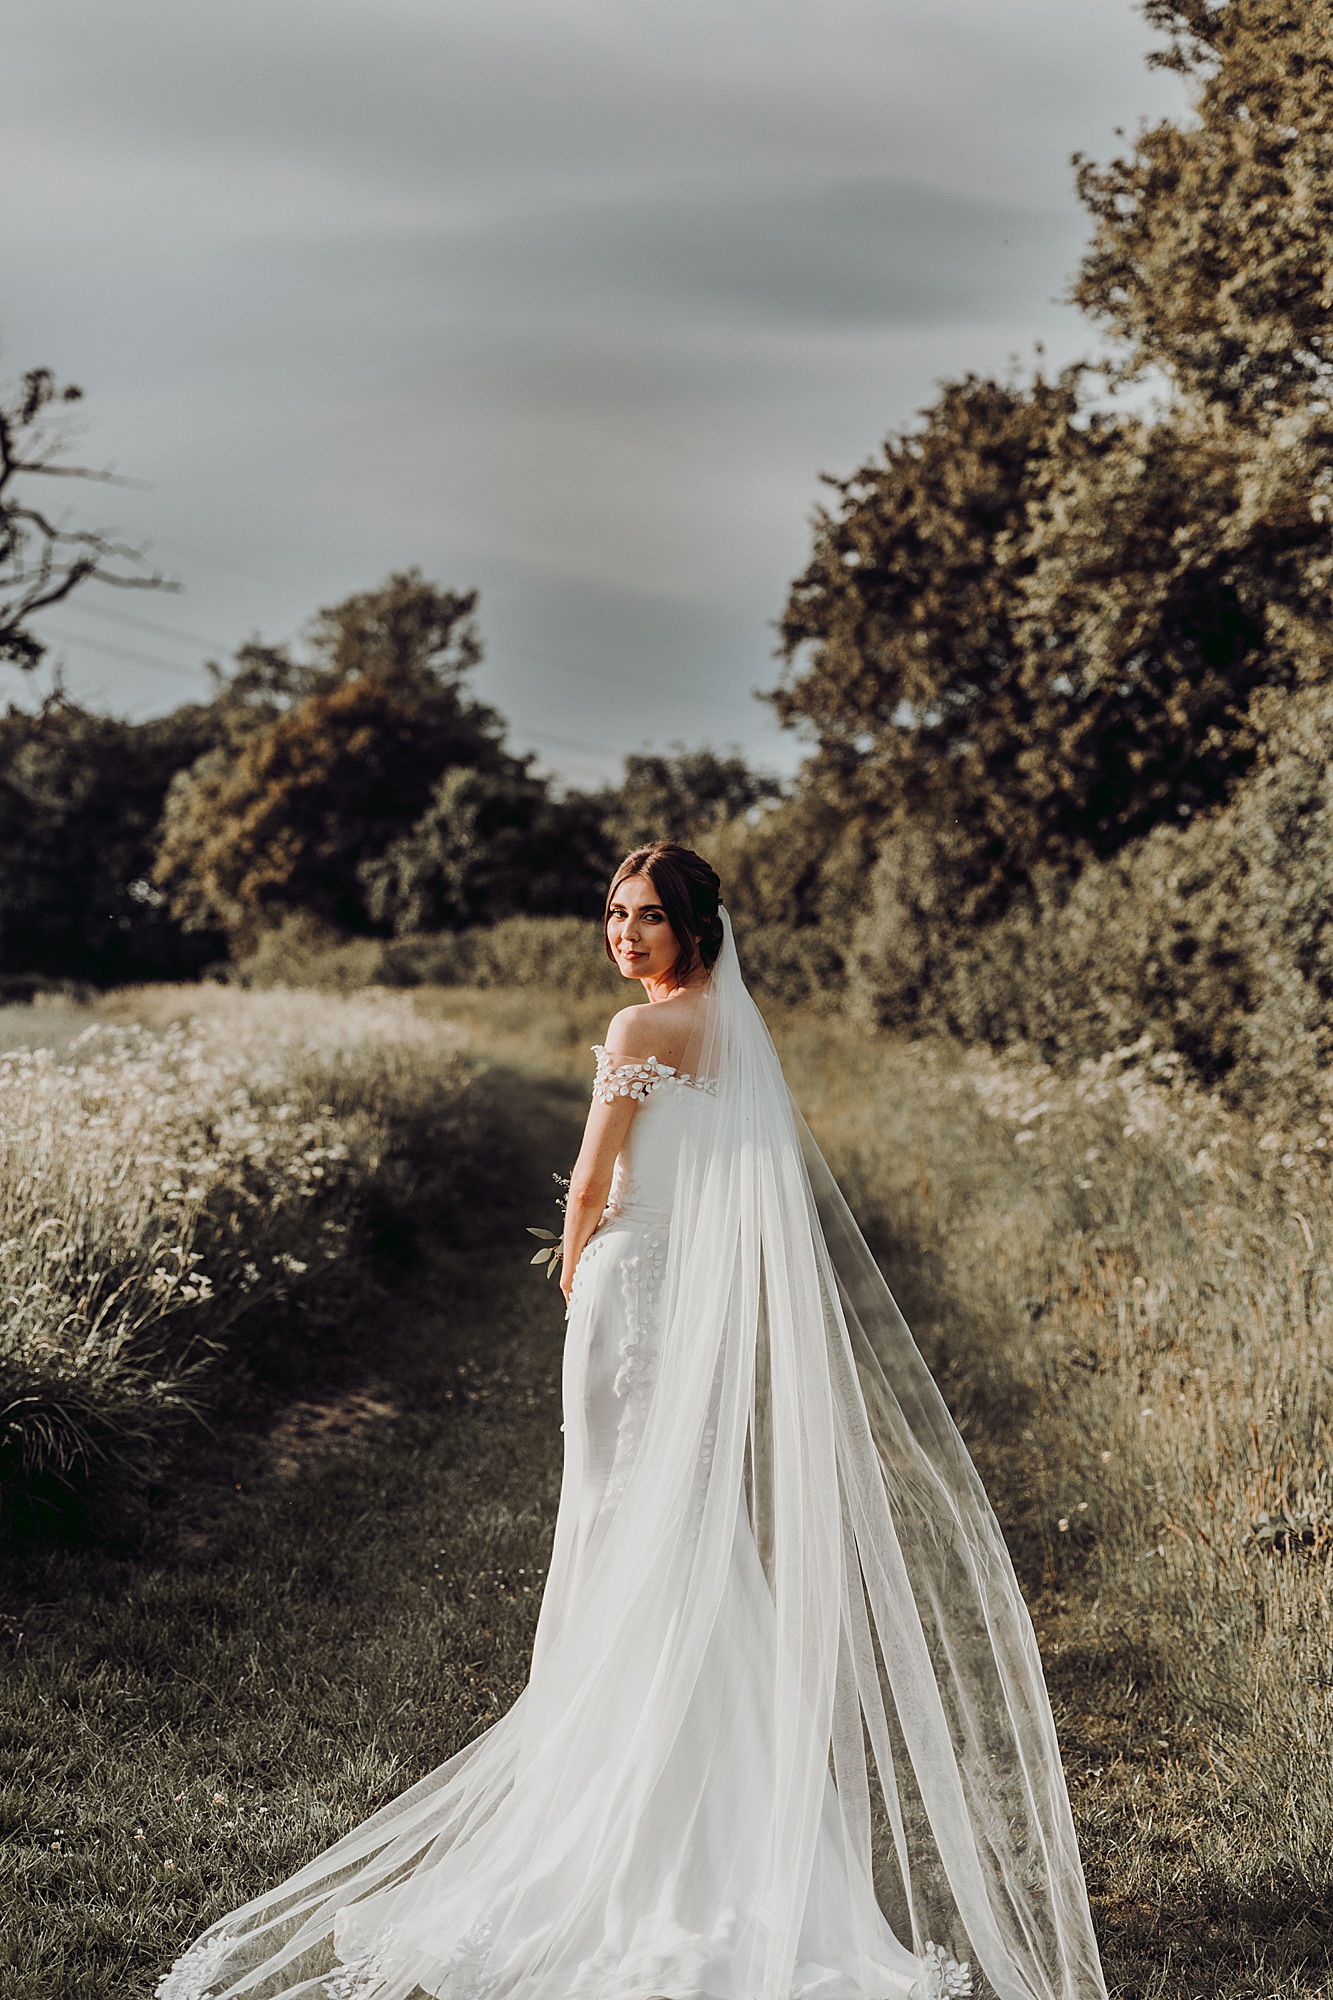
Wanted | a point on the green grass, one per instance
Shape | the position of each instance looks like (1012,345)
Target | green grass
(315,1616)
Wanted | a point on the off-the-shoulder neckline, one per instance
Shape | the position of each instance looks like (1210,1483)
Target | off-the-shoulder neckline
(637,1076)
(604,1056)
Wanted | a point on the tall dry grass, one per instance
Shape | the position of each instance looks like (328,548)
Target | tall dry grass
(166,1180)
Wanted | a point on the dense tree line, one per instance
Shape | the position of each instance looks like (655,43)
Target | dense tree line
(352,782)
(80,802)
(351,785)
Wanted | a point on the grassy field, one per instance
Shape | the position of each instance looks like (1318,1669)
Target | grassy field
(1125,1296)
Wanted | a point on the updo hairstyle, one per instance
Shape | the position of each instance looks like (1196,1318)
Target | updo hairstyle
(688,890)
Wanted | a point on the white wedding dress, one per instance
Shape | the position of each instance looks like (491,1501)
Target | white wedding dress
(678,1925)
(782,1686)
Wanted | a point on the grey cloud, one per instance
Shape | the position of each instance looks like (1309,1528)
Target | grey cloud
(567,298)
(850,253)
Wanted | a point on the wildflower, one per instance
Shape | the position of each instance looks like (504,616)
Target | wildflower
(1063,1524)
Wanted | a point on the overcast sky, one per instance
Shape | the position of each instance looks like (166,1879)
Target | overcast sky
(571,300)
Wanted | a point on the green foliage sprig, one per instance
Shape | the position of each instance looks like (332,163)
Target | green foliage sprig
(551,1256)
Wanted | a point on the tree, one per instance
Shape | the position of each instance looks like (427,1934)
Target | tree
(1209,270)
(906,664)
(490,844)
(1037,624)
(328,760)
(1209,260)
(679,794)
(42,561)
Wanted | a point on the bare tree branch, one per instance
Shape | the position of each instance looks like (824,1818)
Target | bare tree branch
(42,559)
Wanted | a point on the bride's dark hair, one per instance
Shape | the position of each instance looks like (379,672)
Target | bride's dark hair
(689,892)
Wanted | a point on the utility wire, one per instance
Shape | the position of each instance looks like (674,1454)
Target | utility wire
(145,625)
(217,646)
(583,669)
(124,653)
(192,673)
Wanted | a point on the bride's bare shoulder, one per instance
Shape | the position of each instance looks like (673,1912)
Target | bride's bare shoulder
(660,1029)
(632,1034)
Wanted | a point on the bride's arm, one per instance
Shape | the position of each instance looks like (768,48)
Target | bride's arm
(590,1182)
(631,1038)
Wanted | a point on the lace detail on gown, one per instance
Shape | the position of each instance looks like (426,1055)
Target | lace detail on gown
(465,1971)
(943,1977)
(192,1976)
(642,1277)
(362,1971)
(459,1976)
(638,1079)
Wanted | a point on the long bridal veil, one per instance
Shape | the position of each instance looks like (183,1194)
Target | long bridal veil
(891,1703)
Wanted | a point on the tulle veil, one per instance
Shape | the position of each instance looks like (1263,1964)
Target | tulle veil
(896,1700)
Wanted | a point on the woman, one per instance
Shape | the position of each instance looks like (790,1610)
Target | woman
(786,1735)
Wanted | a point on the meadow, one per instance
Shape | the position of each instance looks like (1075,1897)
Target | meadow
(1121,1285)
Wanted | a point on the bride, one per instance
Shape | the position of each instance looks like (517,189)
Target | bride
(786,1735)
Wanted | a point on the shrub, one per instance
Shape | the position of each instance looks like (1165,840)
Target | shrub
(489,845)
(1216,937)
(304,951)
(562,953)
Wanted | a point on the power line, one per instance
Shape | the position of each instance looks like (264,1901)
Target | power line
(145,625)
(219,562)
(217,646)
(583,669)
(192,673)
(123,653)
(565,743)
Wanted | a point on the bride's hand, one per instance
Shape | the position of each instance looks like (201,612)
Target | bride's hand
(566,1281)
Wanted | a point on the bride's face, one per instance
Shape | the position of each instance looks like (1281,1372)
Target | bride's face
(644,944)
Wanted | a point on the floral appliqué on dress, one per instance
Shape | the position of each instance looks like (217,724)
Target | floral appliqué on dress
(195,1973)
(638,1079)
(642,1276)
(943,1977)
